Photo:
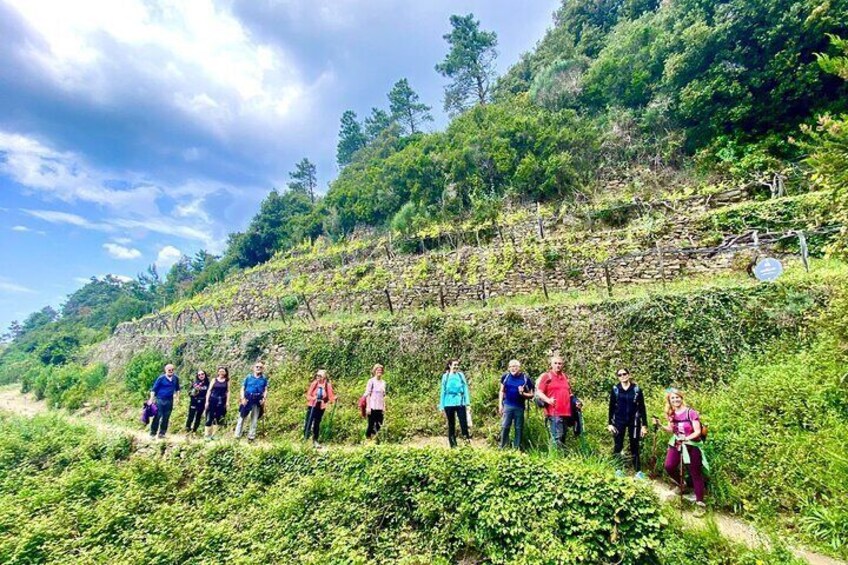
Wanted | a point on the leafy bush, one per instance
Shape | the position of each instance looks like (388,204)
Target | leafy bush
(67,494)
(142,370)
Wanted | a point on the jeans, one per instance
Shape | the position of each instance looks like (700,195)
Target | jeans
(313,422)
(556,427)
(512,416)
(254,420)
(195,413)
(633,434)
(451,413)
(375,422)
(163,416)
(696,469)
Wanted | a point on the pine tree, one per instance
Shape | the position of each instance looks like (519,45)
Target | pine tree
(406,108)
(377,123)
(351,138)
(470,64)
(304,178)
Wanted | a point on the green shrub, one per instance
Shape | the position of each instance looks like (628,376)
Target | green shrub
(142,370)
(69,495)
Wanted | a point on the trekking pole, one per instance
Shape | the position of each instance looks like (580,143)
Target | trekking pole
(308,423)
(681,477)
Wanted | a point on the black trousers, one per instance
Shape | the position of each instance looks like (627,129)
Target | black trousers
(632,433)
(195,413)
(217,411)
(162,417)
(313,422)
(452,412)
(375,422)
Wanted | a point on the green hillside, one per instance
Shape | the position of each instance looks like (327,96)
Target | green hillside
(606,200)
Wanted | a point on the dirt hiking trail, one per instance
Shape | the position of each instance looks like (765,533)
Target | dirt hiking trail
(14,402)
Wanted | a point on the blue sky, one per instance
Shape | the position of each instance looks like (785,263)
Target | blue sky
(134,131)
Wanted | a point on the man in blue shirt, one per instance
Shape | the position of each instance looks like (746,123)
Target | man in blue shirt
(516,388)
(254,389)
(165,391)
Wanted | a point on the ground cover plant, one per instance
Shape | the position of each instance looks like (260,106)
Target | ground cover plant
(68,494)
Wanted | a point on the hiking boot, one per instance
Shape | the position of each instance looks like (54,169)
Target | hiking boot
(251,439)
(640,476)
(691,498)
(161,436)
(317,445)
(619,473)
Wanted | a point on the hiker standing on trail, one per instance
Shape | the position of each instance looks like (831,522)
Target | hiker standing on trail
(197,401)
(684,446)
(254,391)
(165,391)
(554,390)
(516,388)
(454,400)
(375,401)
(318,396)
(217,399)
(627,417)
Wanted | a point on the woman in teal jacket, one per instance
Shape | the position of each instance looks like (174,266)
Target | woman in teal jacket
(454,400)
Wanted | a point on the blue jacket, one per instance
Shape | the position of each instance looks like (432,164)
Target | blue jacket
(164,389)
(454,391)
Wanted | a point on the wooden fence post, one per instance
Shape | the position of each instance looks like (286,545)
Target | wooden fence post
(607,278)
(389,300)
(805,251)
(442,296)
(539,221)
(308,306)
(199,317)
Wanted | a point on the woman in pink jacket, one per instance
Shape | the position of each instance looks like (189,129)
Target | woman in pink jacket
(318,396)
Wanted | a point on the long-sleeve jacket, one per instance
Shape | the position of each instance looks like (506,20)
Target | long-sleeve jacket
(454,391)
(627,407)
(327,394)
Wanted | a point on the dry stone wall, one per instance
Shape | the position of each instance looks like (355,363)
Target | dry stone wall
(509,265)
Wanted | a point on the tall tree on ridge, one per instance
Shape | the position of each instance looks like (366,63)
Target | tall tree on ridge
(304,178)
(470,64)
(351,138)
(375,124)
(406,108)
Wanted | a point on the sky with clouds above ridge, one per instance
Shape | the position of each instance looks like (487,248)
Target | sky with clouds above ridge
(132,131)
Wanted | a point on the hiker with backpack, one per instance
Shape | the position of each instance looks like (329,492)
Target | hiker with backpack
(684,447)
(627,417)
(217,399)
(165,391)
(553,393)
(197,401)
(454,401)
(516,388)
(318,396)
(254,391)
(375,401)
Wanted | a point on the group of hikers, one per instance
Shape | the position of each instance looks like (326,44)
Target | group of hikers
(552,392)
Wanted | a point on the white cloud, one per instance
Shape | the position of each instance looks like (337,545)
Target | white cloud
(64,175)
(120,252)
(24,229)
(56,217)
(122,278)
(168,255)
(12,288)
(216,72)
(122,240)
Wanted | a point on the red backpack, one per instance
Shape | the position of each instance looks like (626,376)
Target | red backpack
(363,405)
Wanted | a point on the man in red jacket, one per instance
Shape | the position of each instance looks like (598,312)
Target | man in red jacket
(555,391)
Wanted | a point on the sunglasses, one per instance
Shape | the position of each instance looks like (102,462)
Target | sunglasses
(622,374)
